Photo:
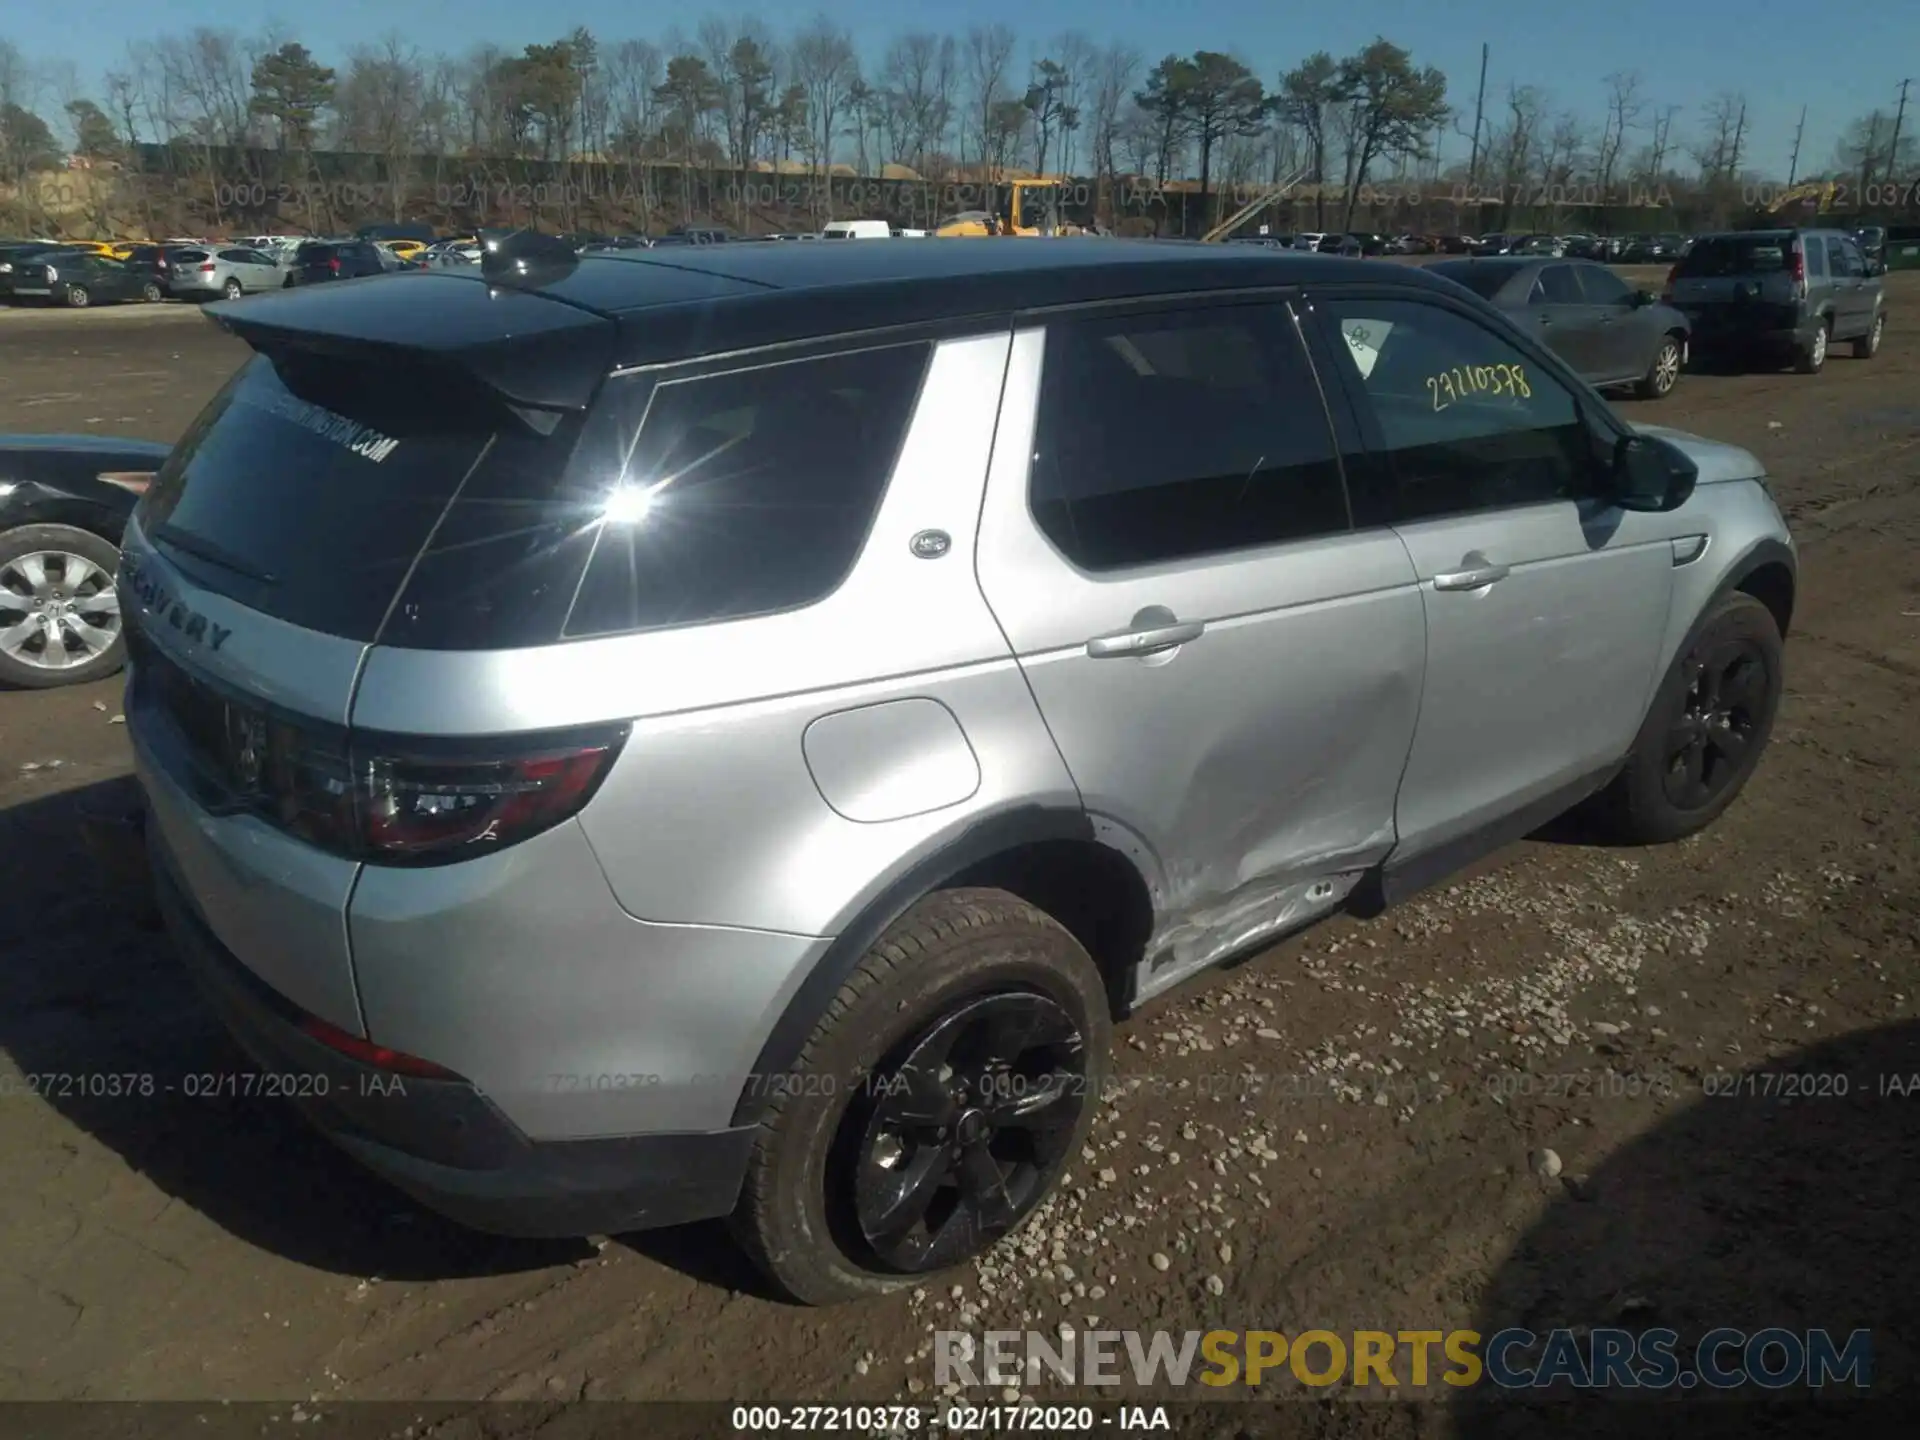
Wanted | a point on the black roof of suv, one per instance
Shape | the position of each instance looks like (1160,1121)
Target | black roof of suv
(726,297)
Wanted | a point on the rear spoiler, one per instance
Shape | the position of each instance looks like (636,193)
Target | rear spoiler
(528,350)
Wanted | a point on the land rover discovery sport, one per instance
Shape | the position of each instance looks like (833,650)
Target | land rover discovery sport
(731,733)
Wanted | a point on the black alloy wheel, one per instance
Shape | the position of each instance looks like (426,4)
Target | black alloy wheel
(1726,699)
(969,1130)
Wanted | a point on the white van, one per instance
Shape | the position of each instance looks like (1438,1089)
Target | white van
(856,230)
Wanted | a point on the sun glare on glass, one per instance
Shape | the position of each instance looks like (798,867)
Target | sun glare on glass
(627,505)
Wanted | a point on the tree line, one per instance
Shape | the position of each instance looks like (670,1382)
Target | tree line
(976,105)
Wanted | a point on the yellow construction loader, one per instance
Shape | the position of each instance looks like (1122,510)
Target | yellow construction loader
(1025,207)
(1821,190)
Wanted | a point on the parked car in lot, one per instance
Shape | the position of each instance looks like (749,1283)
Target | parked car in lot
(64,500)
(1348,245)
(13,253)
(222,272)
(1605,330)
(1002,613)
(77,278)
(317,261)
(1780,295)
(154,266)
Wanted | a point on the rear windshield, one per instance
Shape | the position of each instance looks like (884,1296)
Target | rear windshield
(188,257)
(305,492)
(1717,255)
(406,509)
(314,252)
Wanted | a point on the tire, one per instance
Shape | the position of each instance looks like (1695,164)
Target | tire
(1812,358)
(1868,345)
(76,297)
(955,955)
(152,293)
(232,290)
(1640,806)
(1663,373)
(22,662)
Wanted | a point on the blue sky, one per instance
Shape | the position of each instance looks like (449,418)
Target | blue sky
(1839,59)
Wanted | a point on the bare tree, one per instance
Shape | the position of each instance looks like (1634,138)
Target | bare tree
(1625,110)
(1116,71)
(635,71)
(1513,145)
(917,78)
(380,101)
(825,66)
(1079,57)
(989,52)
(1718,146)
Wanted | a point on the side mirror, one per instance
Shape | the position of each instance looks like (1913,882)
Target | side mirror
(1640,299)
(1651,474)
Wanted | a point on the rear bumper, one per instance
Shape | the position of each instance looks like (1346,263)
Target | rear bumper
(1709,331)
(442,1141)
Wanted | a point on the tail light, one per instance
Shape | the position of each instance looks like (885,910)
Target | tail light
(381,799)
(334,264)
(206,269)
(395,802)
(1672,275)
(1799,271)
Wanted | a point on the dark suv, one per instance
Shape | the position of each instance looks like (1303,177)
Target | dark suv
(319,260)
(1780,294)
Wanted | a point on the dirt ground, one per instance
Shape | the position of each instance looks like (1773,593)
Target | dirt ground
(1565,997)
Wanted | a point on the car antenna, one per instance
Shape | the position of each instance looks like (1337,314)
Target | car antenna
(526,260)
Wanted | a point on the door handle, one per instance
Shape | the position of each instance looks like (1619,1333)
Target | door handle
(1148,641)
(1475,577)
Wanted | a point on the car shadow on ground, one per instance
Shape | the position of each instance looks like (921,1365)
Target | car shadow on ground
(93,1002)
(1777,1194)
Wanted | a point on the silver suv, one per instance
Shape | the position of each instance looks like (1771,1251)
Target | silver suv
(647,740)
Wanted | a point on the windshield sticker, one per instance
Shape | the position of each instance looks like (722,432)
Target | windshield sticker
(1471,381)
(1364,339)
(362,440)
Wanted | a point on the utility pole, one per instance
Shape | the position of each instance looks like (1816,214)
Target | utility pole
(1893,150)
(1739,134)
(1479,114)
(1793,162)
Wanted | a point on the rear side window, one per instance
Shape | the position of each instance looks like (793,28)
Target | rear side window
(1558,285)
(1720,255)
(1172,435)
(1602,287)
(1484,279)
(740,493)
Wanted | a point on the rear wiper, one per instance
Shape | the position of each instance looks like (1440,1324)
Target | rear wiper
(169,534)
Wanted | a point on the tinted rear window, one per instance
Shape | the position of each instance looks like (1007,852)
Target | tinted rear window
(303,491)
(1736,255)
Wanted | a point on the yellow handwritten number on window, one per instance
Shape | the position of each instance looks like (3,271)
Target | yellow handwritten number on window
(1448,387)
